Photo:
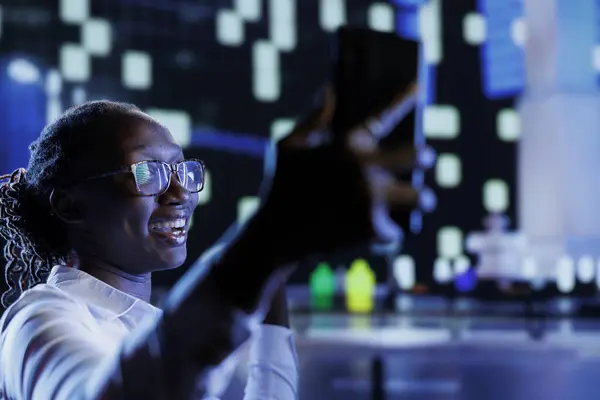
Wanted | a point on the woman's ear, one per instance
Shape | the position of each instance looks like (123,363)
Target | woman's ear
(65,207)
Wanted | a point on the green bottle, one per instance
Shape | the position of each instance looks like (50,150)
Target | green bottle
(322,287)
(360,287)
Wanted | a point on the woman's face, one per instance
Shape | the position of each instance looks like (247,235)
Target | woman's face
(121,228)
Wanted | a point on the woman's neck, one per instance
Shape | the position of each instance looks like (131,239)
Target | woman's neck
(139,286)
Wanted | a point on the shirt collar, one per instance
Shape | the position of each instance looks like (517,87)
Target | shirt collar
(92,291)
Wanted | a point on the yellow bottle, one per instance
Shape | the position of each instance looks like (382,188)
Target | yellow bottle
(360,287)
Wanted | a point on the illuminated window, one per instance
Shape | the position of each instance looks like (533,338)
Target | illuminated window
(442,270)
(54,109)
(441,122)
(495,196)
(230,28)
(381,17)
(74,63)
(96,37)
(136,70)
(448,170)
(404,272)
(79,95)
(502,56)
(450,242)
(74,11)
(53,83)
(250,10)
(474,28)
(23,71)
(508,125)
(430,31)
(565,274)
(586,269)
(178,122)
(266,82)
(280,128)
(332,14)
(518,32)
(282,24)
(247,206)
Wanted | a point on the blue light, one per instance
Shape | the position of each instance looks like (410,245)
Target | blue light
(502,61)
(407,21)
(409,2)
(237,143)
(23,71)
(466,282)
(22,111)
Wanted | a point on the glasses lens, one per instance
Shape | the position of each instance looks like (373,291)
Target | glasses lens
(151,177)
(191,175)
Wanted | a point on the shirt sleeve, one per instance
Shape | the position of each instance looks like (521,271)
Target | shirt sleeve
(46,351)
(50,349)
(273,365)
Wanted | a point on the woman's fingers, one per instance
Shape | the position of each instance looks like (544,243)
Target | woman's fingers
(398,159)
(383,123)
(401,194)
(389,190)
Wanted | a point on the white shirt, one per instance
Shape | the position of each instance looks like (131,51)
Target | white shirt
(65,339)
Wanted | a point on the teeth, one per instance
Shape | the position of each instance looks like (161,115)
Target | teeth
(177,223)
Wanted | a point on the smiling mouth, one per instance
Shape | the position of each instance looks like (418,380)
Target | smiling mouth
(173,231)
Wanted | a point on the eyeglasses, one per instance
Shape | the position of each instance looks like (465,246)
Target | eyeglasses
(152,178)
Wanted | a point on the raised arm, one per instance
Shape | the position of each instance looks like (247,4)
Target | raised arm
(50,348)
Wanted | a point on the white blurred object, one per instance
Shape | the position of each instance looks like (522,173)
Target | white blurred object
(586,269)
(565,274)
(23,71)
(529,269)
(500,252)
(442,270)
(461,265)
(559,149)
(404,272)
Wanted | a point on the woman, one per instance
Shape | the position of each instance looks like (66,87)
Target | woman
(106,200)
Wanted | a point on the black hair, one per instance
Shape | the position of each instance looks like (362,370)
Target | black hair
(36,240)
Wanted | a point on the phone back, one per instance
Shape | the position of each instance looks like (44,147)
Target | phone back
(370,69)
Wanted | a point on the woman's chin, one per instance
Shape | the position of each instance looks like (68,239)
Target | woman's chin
(172,258)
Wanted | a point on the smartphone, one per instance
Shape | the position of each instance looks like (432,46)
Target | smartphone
(370,69)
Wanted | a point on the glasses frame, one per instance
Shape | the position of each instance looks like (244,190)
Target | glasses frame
(173,168)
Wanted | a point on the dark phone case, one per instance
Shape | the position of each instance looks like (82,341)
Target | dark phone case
(371,68)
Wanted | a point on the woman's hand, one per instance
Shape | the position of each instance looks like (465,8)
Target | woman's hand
(327,194)
(319,197)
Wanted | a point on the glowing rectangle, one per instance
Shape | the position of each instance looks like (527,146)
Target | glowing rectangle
(502,60)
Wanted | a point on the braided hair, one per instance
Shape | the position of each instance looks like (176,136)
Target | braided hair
(36,240)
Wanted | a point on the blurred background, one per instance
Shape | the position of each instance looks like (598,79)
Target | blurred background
(493,294)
